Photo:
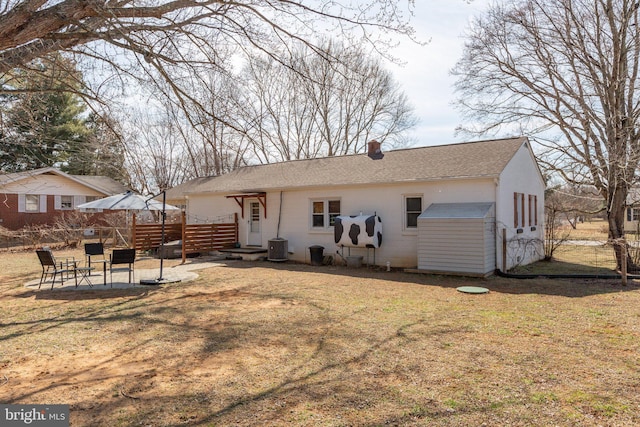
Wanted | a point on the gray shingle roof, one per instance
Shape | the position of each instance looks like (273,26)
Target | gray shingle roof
(104,183)
(454,161)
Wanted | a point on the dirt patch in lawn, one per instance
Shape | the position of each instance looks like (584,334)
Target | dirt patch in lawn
(258,343)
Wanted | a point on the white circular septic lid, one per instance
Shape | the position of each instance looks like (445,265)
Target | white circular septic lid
(472,290)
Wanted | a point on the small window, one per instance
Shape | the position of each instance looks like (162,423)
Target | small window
(324,213)
(633,214)
(334,211)
(255,217)
(88,199)
(318,214)
(32,203)
(66,202)
(413,209)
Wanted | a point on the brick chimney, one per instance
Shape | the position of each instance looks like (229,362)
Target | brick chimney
(374,151)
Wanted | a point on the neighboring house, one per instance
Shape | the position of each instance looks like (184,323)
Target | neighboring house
(37,197)
(632,216)
(497,182)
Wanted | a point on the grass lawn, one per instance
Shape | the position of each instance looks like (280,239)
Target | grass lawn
(259,343)
(584,252)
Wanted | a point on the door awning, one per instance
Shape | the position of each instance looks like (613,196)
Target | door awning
(239,198)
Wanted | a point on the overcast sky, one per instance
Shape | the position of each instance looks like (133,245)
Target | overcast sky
(425,76)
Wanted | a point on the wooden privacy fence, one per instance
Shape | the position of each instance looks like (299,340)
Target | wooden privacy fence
(195,237)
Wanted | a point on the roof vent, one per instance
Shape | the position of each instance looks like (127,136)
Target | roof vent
(374,150)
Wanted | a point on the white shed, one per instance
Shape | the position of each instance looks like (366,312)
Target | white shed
(457,238)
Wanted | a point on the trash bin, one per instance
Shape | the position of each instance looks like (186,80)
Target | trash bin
(317,255)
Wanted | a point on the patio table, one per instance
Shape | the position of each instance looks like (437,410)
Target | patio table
(84,272)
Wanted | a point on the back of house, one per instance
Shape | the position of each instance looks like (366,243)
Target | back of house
(299,201)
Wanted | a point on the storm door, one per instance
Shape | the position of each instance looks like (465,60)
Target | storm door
(254,227)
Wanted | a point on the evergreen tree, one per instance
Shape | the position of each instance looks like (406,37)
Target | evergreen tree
(44,122)
(102,153)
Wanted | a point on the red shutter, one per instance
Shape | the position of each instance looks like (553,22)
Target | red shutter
(515,210)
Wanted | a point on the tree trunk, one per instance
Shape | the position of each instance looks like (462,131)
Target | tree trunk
(615,218)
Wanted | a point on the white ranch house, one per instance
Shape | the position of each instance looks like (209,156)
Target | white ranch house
(474,194)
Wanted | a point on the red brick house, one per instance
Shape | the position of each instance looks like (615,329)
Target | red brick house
(37,197)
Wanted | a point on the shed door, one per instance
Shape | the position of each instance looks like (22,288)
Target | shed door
(254,227)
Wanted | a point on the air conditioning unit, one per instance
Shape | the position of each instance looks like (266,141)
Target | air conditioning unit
(278,250)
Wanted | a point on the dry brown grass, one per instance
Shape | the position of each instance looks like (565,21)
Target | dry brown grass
(596,229)
(285,344)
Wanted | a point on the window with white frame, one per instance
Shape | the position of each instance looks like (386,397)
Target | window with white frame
(324,213)
(633,214)
(32,203)
(66,202)
(412,210)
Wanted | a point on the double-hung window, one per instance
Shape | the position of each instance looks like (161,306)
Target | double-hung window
(633,214)
(412,210)
(32,203)
(66,202)
(324,213)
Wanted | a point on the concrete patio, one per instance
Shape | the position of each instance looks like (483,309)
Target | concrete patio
(178,273)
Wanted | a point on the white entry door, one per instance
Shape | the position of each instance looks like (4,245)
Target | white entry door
(254,229)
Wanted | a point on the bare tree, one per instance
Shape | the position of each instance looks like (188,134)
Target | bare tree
(171,48)
(175,40)
(564,71)
(554,236)
(189,143)
(323,106)
(155,155)
(576,203)
(220,142)
(278,118)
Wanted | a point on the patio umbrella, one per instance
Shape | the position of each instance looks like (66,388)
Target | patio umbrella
(128,201)
(131,201)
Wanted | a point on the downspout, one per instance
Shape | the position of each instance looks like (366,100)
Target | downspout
(498,245)
(279,217)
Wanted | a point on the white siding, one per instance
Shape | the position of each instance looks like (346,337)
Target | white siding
(460,245)
(288,215)
(398,246)
(43,203)
(521,175)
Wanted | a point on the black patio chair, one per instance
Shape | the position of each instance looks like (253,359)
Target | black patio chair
(95,250)
(122,257)
(52,268)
